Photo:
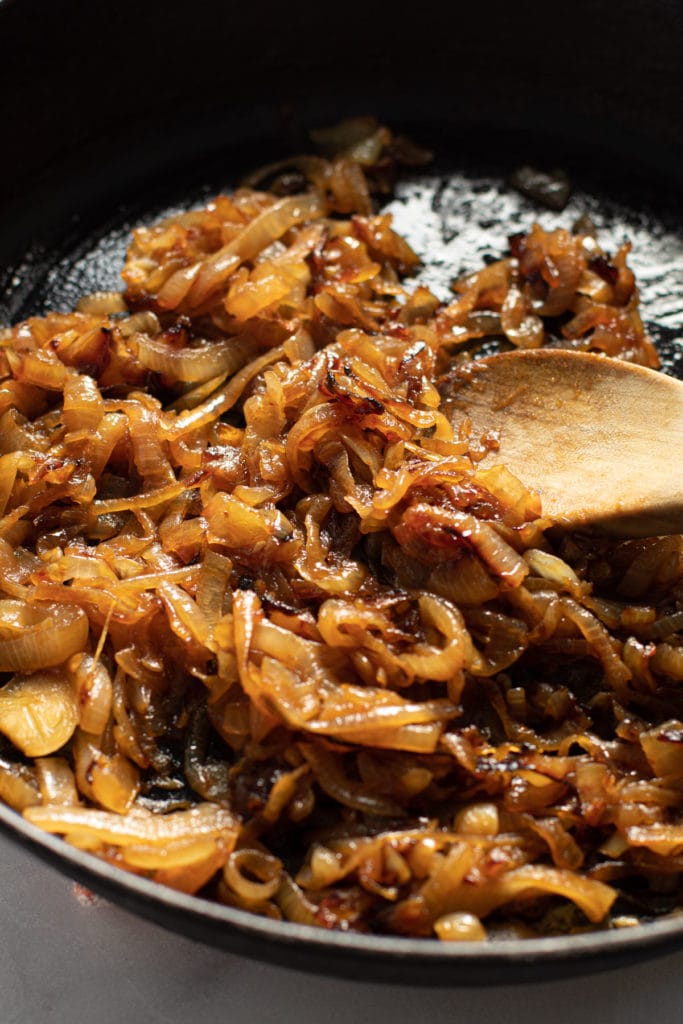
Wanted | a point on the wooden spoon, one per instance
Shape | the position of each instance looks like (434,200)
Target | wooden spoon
(599,439)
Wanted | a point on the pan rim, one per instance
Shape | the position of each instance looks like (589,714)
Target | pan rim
(636,942)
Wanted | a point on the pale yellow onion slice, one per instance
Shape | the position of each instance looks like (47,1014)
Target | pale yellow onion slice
(56,780)
(459,927)
(269,225)
(192,365)
(34,637)
(207,821)
(555,570)
(273,222)
(253,874)
(175,855)
(18,786)
(192,877)
(115,782)
(175,288)
(525,330)
(38,713)
(293,903)
(101,303)
(528,882)
(478,819)
(92,683)
(430,661)
(83,405)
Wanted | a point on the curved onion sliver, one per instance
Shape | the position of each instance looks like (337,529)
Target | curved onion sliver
(37,636)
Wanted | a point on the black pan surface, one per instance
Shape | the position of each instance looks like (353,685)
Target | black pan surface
(114,114)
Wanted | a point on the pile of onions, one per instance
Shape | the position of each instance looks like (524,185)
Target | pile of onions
(267,632)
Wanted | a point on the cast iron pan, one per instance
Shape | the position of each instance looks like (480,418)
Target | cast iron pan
(114,112)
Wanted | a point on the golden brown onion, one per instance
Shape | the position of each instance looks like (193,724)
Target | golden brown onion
(261,606)
(39,636)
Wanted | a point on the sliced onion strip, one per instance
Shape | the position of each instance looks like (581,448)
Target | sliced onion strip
(36,636)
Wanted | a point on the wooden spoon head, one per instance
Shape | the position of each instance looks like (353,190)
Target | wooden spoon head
(597,438)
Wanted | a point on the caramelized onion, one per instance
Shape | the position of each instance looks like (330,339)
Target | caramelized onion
(38,713)
(261,606)
(39,636)
(192,364)
(594,898)
(56,781)
(92,683)
(460,927)
(207,821)
(253,874)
